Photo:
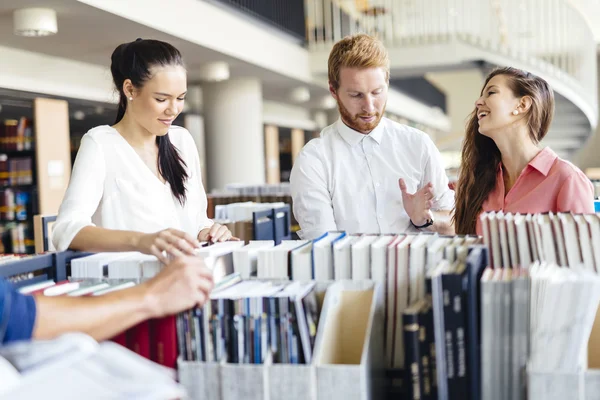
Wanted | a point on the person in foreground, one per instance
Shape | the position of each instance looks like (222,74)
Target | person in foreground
(136,185)
(366,173)
(185,282)
(503,166)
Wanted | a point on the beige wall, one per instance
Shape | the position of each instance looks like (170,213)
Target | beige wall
(462,89)
(588,156)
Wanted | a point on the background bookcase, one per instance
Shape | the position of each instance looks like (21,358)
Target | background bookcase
(39,138)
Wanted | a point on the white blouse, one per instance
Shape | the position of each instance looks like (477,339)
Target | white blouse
(111,187)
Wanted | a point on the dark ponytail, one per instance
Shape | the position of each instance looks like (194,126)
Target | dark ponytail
(134,61)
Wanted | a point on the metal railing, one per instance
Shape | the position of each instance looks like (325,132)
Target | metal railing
(549,35)
(285,15)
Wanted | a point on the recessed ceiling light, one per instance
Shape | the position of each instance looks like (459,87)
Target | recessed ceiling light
(35,22)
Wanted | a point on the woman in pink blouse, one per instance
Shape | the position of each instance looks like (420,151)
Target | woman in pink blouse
(503,168)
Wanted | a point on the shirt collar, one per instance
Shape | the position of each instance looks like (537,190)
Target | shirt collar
(544,160)
(353,137)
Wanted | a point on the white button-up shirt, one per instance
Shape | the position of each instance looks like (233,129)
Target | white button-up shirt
(348,181)
(111,187)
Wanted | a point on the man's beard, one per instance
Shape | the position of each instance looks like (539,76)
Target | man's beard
(356,123)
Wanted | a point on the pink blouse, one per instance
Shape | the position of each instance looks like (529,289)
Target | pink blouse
(547,184)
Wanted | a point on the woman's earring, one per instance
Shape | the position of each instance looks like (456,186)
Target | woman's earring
(515,112)
(130,98)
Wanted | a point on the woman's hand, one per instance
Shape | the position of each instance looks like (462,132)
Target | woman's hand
(172,241)
(216,233)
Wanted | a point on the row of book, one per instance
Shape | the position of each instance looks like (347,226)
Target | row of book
(399,263)
(564,239)
(243,211)
(282,188)
(16,238)
(450,328)
(243,323)
(15,170)
(14,204)
(224,199)
(542,297)
(16,134)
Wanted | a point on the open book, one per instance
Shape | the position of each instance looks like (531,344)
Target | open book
(75,366)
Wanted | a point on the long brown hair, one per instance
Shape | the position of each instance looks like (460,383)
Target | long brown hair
(480,155)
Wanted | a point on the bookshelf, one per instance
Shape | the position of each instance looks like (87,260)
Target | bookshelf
(34,164)
(282,146)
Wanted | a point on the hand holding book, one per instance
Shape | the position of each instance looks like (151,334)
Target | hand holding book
(216,233)
(172,241)
(186,283)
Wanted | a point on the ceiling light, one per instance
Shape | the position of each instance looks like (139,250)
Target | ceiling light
(34,22)
(300,94)
(214,72)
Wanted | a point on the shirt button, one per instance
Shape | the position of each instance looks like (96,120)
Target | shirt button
(377,184)
(380,216)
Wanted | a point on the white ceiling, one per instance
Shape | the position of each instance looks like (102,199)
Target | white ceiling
(90,35)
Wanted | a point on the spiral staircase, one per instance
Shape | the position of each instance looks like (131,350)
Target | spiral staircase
(549,38)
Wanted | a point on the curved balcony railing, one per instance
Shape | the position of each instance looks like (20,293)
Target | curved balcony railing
(550,36)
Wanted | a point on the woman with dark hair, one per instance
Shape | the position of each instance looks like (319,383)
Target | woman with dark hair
(503,168)
(136,185)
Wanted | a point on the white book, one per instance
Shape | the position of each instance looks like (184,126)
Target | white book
(450,250)
(535,256)
(58,290)
(436,251)
(379,260)
(487,236)
(114,288)
(418,260)
(391,296)
(151,267)
(361,257)
(36,286)
(95,266)
(560,240)
(547,238)
(130,267)
(88,290)
(323,255)
(524,245)
(573,251)
(342,257)
(504,248)
(512,240)
(496,251)
(402,299)
(245,259)
(585,242)
(302,265)
(274,262)
(594,224)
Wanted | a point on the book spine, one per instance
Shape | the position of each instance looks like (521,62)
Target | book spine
(164,341)
(424,358)
(412,356)
(454,321)
(139,339)
(428,347)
